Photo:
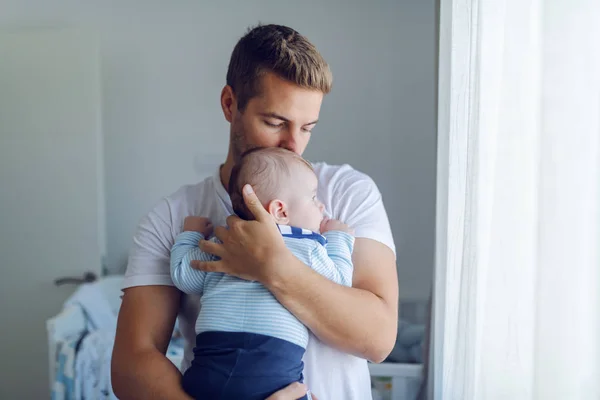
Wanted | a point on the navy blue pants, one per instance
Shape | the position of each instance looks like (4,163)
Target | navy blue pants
(241,366)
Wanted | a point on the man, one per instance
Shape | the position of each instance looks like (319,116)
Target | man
(276,82)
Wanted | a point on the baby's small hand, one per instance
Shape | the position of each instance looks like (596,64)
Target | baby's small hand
(198,224)
(335,225)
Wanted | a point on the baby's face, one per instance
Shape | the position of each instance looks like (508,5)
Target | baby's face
(304,208)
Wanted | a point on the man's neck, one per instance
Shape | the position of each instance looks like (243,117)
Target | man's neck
(225,171)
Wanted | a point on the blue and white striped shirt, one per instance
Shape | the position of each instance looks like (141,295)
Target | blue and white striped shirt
(232,304)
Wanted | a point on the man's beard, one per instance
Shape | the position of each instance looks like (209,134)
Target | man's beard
(239,145)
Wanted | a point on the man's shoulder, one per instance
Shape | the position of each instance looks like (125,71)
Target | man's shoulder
(323,168)
(191,191)
(334,173)
(183,201)
(343,179)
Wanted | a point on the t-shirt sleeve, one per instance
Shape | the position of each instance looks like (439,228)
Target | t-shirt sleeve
(359,204)
(149,257)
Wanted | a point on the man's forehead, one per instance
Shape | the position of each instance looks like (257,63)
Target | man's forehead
(287,101)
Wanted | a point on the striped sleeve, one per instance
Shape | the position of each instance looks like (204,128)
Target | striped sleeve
(334,260)
(185,249)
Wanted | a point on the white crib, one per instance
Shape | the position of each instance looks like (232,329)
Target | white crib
(392,381)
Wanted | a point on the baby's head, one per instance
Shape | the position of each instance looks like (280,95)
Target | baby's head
(285,184)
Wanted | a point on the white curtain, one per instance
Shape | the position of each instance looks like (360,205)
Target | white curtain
(517,287)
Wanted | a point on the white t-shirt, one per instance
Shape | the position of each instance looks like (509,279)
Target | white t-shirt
(348,195)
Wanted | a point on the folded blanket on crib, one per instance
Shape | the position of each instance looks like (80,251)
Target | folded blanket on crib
(409,344)
(92,366)
(82,365)
(64,380)
(95,306)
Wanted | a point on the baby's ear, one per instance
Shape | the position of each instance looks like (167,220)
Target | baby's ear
(278,209)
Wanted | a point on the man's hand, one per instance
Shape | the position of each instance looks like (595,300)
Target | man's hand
(251,250)
(361,320)
(335,225)
(198,224)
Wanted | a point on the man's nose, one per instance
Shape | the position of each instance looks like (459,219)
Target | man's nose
(290,140)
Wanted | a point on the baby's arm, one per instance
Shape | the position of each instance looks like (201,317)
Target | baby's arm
(185,249)
(334,261)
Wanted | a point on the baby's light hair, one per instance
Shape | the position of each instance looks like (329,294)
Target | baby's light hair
(266,169)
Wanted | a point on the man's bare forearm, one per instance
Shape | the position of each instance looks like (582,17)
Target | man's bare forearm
(147,375)
(140,369)
(352,320)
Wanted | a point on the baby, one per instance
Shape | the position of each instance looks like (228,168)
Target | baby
(248,345)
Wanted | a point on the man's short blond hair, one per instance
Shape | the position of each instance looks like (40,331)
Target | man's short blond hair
(280,50)
(267,169)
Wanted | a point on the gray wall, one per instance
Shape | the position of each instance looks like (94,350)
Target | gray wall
(164,65)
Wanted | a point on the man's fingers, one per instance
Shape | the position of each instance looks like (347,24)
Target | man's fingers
(254,205)
(207,266)
(216,249)
(232,219)
(291,392)
(221,233)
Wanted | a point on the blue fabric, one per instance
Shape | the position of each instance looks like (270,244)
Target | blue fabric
(225,298)
(300,233)
(237,365)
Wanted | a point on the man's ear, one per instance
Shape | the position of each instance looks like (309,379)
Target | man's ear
(228,102)
(279,210)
